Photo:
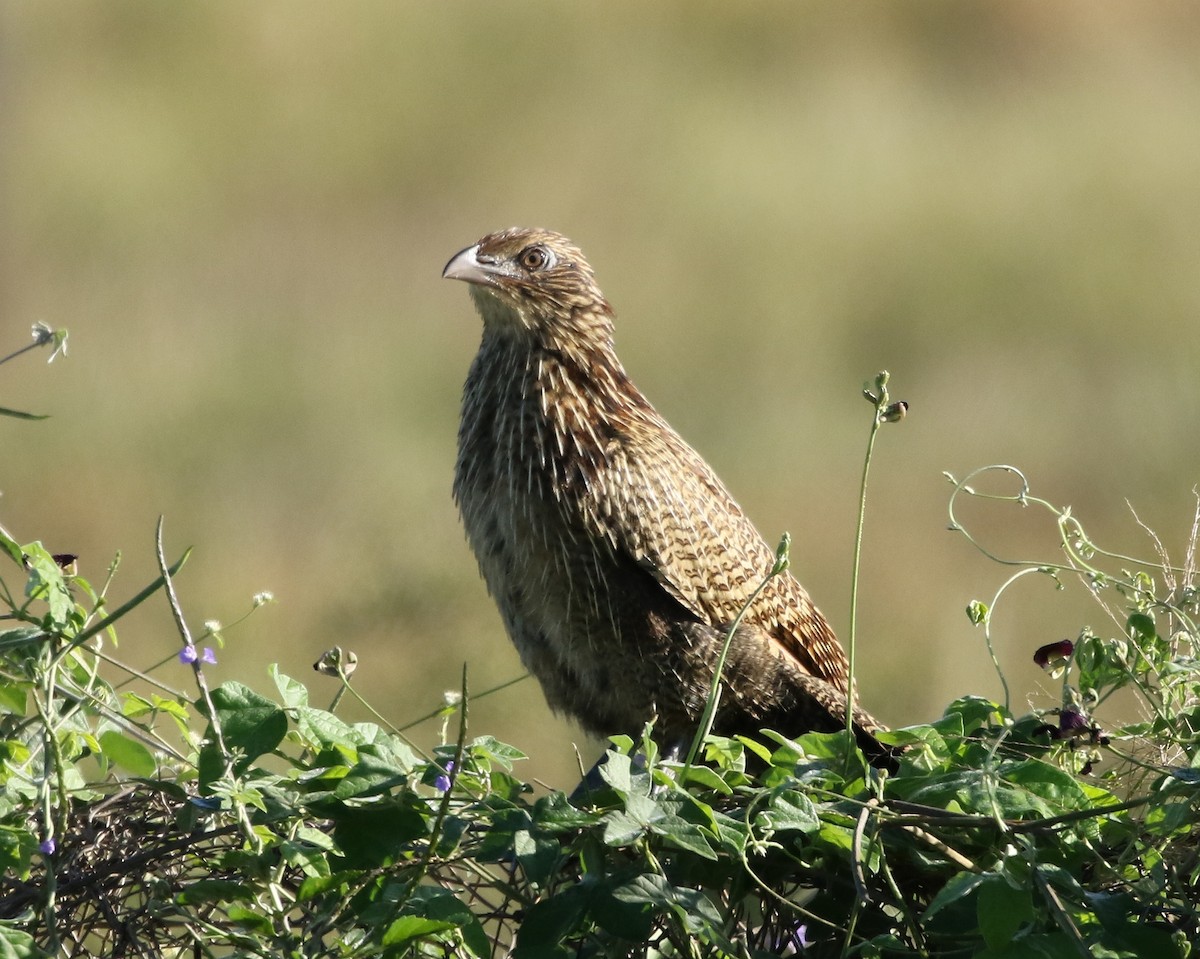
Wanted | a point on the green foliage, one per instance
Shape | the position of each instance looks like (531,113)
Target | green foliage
(247,823)
(236,823)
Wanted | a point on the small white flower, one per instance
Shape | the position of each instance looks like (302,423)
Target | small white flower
(261,599)
(42,334)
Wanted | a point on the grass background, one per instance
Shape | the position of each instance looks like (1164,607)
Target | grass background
(241,212)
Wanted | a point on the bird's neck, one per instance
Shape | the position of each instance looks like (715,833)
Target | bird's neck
(545,370)
(578,330)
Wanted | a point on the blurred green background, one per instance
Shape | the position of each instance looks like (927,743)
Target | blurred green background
(241,212)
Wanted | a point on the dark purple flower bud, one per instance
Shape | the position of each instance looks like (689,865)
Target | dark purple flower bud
(894,412)
(1070,721)
(1054,654)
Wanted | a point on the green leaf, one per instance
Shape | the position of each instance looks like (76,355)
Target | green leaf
(17,414)
(370,777)
(725,752)
(628,920)
(14,698)
(831,759)
(1170,818)
(789,809)
(537,853)
(707,778)
(17,846)
(1102,663)
(10,546)
(1141,626)
(46,582)
(684,835)
(501,754)
(976,713)
(960,885)
(692,907)
(371,836)
(20,636)
(314,886)
(250,723)
(250,919)
(616,770)
(548,922)
(1002,910)
(15,944)
(620,828)
(756,747)
(407,928)
(133,706)
(733,834)
(555,813)
(13,752)
(1047,782)
(309,859)
(667,817)
(292,692)
(442,904)
(1137,939)
(838,835)
(321,728)
(128,753)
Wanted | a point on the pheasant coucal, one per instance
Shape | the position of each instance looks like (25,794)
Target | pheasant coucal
(617,558)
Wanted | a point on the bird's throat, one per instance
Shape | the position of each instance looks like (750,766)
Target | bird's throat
(499,313)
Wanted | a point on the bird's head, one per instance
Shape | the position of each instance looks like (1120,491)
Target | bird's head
(535,283)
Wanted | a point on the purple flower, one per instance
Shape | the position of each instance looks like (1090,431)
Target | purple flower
(442,782)
(189,655)
(47,846)
(1073,725)
(1070,722)
(1054,655)
(800,940)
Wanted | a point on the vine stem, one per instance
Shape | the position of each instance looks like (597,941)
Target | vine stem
(852,638)
(885,412)
(214,718)
(52,766)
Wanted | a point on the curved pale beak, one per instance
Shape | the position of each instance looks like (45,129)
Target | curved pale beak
(468,267)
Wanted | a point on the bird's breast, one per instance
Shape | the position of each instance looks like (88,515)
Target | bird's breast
(519,459)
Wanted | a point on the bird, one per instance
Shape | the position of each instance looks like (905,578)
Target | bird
(617,559)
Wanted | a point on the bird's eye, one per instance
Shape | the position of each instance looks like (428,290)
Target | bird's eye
(536,258)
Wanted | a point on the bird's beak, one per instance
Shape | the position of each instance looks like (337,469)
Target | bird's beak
(468,267)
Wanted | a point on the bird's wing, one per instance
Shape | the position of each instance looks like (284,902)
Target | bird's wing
(684,527)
